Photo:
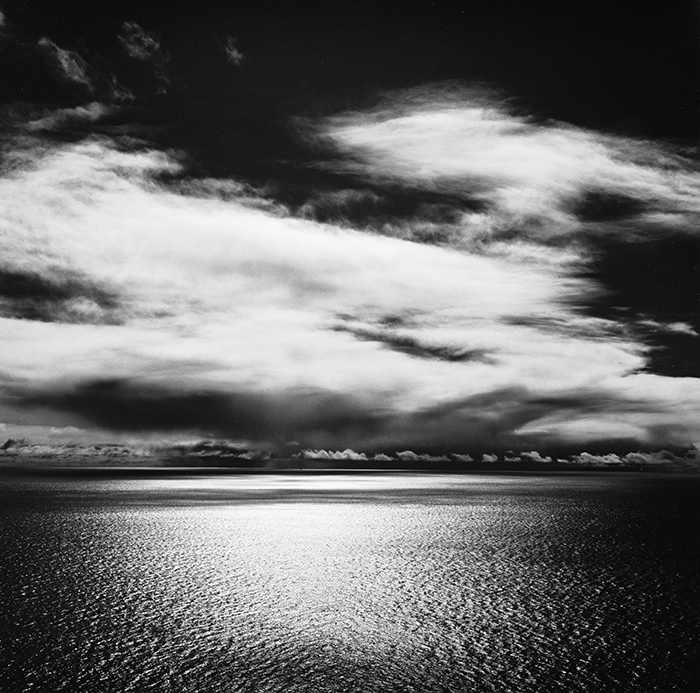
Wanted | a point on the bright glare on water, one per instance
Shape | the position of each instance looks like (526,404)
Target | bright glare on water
(351,583)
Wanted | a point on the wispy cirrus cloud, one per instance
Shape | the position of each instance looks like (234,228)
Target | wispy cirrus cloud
(542,181)
(67,65)
(233,54)
(145,47)
(60,119)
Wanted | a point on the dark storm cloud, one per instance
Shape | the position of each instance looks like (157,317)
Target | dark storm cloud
(482,422)
(130,405)
(493,422)
(314,417)
(517,418)
(57,296)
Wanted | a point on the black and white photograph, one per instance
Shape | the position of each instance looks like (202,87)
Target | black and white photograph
(350,346)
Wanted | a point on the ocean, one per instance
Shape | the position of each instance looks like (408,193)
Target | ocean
(382,582)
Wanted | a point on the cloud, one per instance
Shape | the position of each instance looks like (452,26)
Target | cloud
(140,44)
(406,344)
(39,73)
(650,409)
(345,455)
(674,327)
(498,420)
(221,313)
(67,65)
(484,178)
(515,418)
(543,181)
(145,48)
(66,118)
(662,460)
(233,54)
(65,431)
(55,295)
(130,405)
(401,211)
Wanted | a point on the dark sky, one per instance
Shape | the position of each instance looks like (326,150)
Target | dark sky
(628,66)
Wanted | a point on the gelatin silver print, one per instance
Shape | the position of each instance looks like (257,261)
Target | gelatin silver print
(350,347)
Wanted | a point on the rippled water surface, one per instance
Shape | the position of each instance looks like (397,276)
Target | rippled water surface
(351,583)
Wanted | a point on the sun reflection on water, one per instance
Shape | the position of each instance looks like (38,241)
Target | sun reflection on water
(334,584)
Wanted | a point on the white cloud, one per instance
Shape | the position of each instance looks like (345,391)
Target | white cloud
(65,431)
(348,455)
(233,54)
(674,327)
(532,176)
(227,296)
(63,117)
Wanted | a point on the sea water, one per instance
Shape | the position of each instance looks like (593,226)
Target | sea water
(365,582)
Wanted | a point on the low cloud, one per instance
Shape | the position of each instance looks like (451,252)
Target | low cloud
(65,431)
(337,455)
(131,405)
(493,422)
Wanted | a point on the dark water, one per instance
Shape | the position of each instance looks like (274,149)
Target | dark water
(388,583)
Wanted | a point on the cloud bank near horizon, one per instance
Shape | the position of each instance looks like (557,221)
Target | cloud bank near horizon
(132,304)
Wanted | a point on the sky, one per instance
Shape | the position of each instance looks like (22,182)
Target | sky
(375,225)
